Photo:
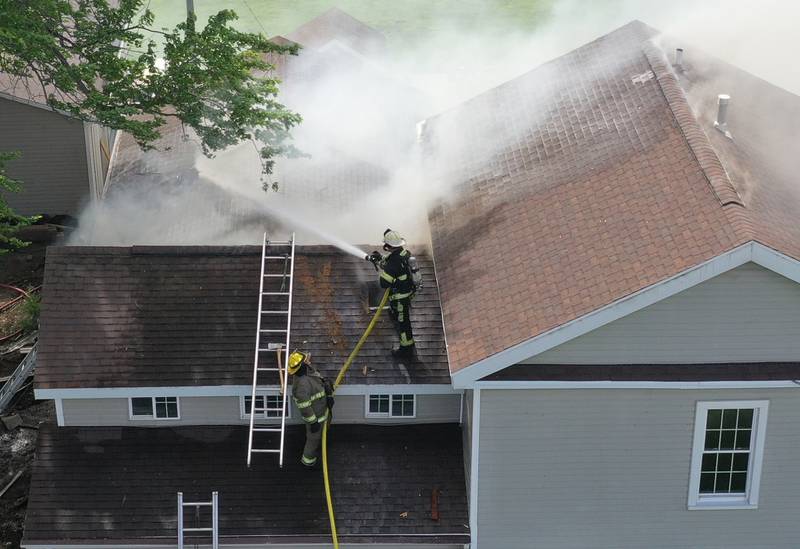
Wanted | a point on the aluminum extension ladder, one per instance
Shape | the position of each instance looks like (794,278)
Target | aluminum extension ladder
(17,379)
(214,504)
(274,307)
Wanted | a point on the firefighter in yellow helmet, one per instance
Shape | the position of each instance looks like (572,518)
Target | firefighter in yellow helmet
(313,396)
(397,270)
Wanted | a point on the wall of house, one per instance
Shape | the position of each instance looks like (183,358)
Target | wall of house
(259,546)
(53,167)
(226,411)
(610,469)
(747,314)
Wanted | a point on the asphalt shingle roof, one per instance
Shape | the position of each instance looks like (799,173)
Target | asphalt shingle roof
(382,482)
(335,24)
(577,184)
(186,316)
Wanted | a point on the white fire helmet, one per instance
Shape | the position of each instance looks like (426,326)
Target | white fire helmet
(393,239)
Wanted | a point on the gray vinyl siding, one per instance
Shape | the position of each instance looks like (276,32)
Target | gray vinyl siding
(747,314)
(53,167)
(115,412)
(610,469)
(226,411)
(260,546)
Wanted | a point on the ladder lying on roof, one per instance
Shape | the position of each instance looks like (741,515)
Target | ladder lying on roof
(272,337)
(17,379)
(213,530)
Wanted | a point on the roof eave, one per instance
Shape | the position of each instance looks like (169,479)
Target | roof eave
(751,251)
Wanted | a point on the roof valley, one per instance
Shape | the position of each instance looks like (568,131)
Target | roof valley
(700,146)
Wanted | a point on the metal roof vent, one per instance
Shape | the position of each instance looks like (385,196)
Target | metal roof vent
(721,123)
(679,59)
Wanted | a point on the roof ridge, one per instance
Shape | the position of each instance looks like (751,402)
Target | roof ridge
(699,143)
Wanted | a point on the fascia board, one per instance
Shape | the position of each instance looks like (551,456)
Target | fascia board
(605,384)
(776,262)
(229,390)
(645,297)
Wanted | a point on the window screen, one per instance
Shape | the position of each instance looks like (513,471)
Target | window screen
(141,406)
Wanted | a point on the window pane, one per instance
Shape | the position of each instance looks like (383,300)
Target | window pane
(724,462)
(274,404)
(743,440)
(745,419)
(403,405)
(726,442)
(706,483)
(729,419)
(712,440)
(379,404)
(714,419)
(166,407)
(142,406)
(723,482)
(738,482)
(740,462)
(709,463)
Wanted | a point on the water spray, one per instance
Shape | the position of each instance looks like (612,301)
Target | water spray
(293,221)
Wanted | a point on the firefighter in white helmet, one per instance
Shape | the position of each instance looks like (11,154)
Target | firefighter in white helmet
(313,396)
(396,272)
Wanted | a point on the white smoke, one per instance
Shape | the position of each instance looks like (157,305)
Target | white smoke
(360,114)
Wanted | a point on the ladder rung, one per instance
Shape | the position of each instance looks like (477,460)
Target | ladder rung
(275,312)
(254,450)
(277,275)
(277,256)
(265,430)
(278,242)
(268,369)
(198,504)
(198,529)
(274,293)
(282,330)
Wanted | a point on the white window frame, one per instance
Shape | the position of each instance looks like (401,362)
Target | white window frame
(749,500)
(152,416)
(263,415)
(388,414)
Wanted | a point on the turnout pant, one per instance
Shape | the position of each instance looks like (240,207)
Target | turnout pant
(400,311)
(313,441)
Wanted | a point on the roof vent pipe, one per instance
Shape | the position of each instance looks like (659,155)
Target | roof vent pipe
(679,59)
(721,122)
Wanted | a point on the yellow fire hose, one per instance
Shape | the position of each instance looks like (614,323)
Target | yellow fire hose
(338,382)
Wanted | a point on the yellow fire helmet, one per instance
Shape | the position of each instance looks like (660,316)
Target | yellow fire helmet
(296,359)
(393,239)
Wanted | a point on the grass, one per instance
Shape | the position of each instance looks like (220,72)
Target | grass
(400,21)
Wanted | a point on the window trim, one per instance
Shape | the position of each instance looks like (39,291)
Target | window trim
(152,416)
(388,415)
(749,500)
(264,417)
